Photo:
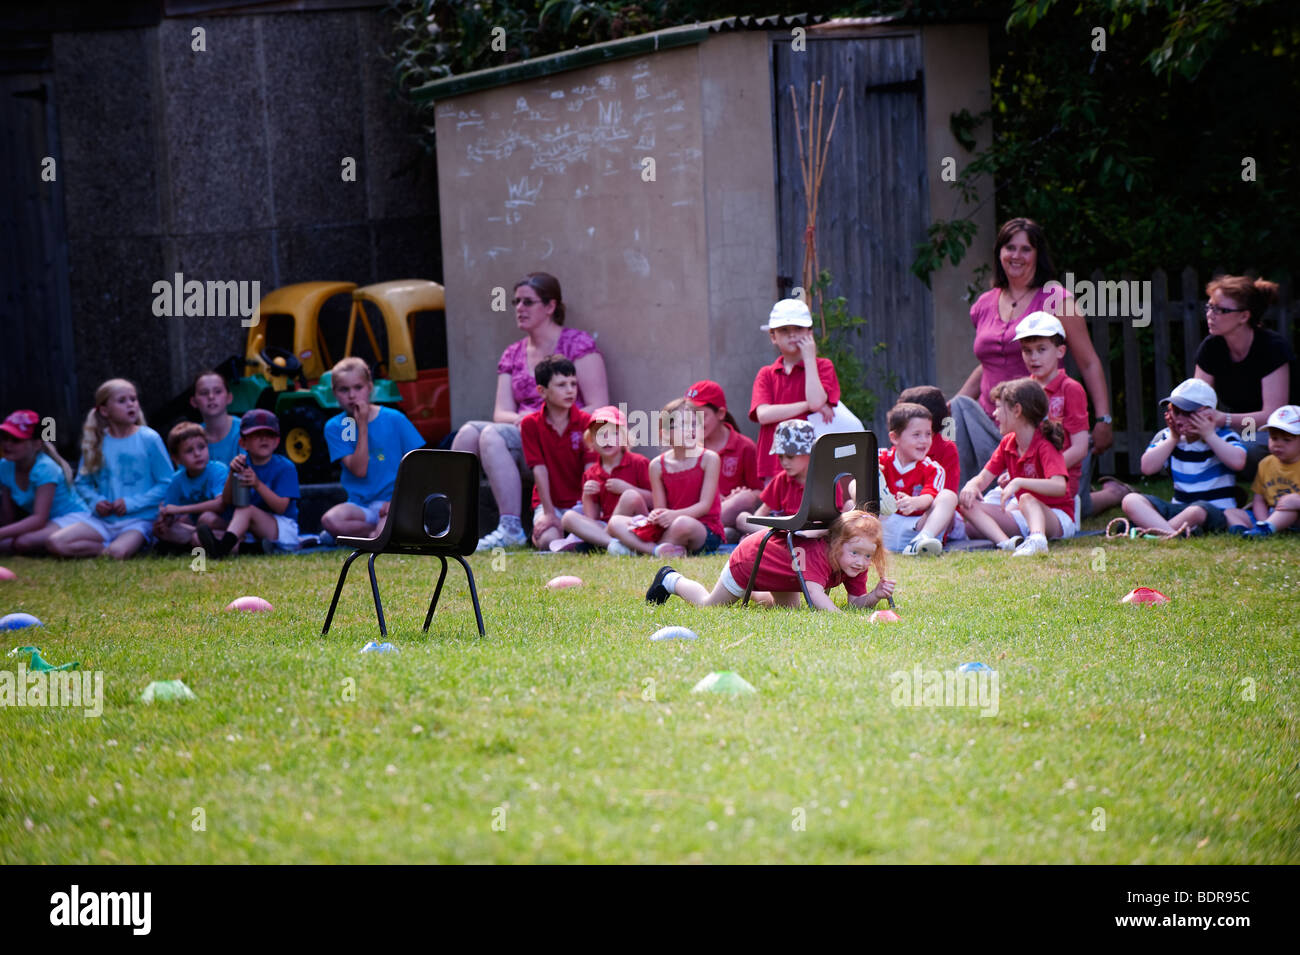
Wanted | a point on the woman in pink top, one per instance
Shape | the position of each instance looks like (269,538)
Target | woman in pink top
(539,313)
(1023,265)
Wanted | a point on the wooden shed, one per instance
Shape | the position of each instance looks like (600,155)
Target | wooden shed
(544,165)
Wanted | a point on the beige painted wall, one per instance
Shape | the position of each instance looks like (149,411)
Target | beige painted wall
(956,78)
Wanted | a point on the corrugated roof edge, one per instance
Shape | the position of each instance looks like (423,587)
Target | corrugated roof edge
(623,48)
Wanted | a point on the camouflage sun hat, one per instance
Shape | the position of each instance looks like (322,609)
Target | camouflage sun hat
(793,437)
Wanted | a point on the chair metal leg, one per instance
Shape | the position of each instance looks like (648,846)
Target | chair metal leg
(374,589)
(343,575)
(795,562)
(753,574)
(473,595)
(428,618)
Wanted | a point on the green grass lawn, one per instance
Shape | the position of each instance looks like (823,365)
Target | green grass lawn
(550,728)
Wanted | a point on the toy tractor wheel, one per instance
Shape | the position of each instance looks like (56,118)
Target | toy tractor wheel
(302,441)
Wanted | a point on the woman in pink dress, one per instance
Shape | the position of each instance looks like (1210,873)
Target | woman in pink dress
(539,313)
(1023,265)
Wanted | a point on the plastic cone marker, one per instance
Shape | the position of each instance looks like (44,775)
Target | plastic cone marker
(167,690)
(253,604)
(18,621)
(38,664)
(974,667)
(724,681)
(1144,595)
(564,580)
(883,616)
(374,646)
(7,574)
(674,633)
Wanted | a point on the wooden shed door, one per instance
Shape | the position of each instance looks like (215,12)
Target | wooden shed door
(874,203)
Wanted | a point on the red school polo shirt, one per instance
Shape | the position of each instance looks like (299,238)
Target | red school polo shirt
(564,454)
(1067,404)
(633,468)
(776,574)
(739,463)
(772,386)
(1040,461)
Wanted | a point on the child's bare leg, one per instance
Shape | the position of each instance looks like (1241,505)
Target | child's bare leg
(746,500)
(79,540)
(630,503)
(542,540)
(693,592)
(1039,517)
(939,517)
(619,530)
(1236,517)
(989,522)
(589,529)
(262,524)
(125,544)
(686,532)
(1143,514)
(33,542)
(1286,513)
(1190,516)
(347,520)
(787,598)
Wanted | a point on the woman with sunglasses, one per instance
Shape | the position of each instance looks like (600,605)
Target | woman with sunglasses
(1248,365)
(539,314)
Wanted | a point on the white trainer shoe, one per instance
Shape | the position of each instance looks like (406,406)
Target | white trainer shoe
(501,538)
(923,547)
(1011,543)
(1034,544)
(619,549)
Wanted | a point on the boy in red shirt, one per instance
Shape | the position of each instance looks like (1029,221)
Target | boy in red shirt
(1042,346)
(553,448)
(792,444)
(943,452)
(923,503)
(617,483)
(782,389)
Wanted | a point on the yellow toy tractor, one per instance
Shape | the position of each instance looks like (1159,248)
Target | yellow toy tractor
(300,335)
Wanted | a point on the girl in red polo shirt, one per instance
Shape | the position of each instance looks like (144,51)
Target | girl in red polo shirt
(617,483)
(738,482)
(684,481)
(1034,501)
(854,545)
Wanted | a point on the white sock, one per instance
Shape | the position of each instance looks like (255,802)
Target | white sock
(510,522)
(670,582)
(1038,537)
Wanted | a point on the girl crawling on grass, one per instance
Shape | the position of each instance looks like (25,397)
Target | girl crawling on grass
(853,544)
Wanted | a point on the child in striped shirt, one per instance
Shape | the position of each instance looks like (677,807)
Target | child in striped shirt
(1202,459)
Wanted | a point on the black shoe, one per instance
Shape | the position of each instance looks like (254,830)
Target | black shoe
(216,547)
(658,593)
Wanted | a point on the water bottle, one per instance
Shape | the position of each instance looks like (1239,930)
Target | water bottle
(240,494)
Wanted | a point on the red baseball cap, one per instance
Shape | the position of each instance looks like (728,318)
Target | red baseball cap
(608,415)
(706,393)
(21,424)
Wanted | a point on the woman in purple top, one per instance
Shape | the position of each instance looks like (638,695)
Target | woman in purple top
(539,313)
(1023,265)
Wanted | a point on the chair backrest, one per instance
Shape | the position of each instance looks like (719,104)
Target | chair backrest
(834,456)
(435,504)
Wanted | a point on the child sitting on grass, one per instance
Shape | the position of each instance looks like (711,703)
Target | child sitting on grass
(1203,460)
(618,483)
(271,482)
(1033,501)
(684,482)
(221,429)
(923,505)
(35,479)
(738,481)
(553,448)
(1042,347)
(123,474)
(844,556)
(194,494)
(371,441)
(792,444)
(1277,481)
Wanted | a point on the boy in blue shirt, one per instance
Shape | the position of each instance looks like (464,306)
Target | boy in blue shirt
(194,494)
(271,481)
(370,440)
(1203,460)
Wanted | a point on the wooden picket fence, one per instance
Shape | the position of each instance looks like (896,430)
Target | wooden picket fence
(1155,358)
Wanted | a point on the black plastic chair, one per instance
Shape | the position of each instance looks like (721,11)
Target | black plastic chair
(434,511)
(835,456)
